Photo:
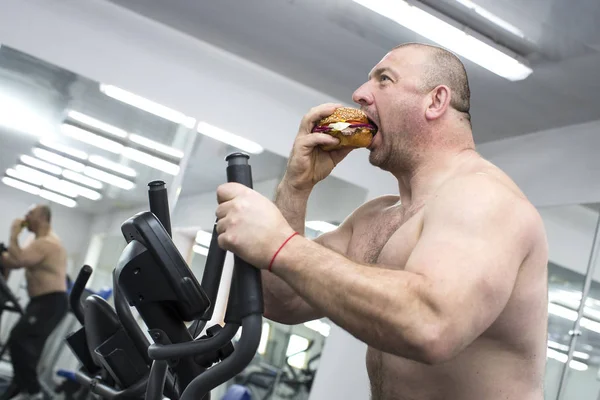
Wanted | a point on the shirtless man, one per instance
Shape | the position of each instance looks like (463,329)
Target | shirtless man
(45,263)
(445,282)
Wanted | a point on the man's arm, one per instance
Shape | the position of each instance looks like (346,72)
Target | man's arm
(8,262)
(454,285)
(282,303)
(31,255)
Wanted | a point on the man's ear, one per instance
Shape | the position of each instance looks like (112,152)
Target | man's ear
(438,102)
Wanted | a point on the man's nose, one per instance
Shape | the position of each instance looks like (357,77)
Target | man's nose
(363,95)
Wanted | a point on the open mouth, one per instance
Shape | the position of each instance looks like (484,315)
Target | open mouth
(375,125)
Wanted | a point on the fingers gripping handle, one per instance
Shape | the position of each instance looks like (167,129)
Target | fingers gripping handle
(247,290)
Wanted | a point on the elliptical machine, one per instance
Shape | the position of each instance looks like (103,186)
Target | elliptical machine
(118,362)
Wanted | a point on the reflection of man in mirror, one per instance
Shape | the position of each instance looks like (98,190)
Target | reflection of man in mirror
(445,279)
(45,262)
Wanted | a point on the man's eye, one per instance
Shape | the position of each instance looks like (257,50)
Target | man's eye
(383,77)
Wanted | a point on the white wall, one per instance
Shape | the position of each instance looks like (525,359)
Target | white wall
(553,167)
(342,373)
(570,232)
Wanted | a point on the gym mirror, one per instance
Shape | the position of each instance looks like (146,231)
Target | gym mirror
(88,150)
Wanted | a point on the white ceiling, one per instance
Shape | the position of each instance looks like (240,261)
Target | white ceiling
(331,45)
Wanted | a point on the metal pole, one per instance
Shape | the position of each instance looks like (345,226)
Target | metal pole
(584,294)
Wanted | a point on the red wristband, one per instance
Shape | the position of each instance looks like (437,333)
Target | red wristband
(278,250)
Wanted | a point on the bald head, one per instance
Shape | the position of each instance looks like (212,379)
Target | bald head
(44,212)
(441,67)
(38,217)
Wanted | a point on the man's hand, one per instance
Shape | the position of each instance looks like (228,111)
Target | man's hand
(308,163)
(16,227)
(249,224)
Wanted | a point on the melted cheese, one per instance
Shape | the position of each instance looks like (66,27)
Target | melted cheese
(339,126)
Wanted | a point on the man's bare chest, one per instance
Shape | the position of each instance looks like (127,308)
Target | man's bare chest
(386,238)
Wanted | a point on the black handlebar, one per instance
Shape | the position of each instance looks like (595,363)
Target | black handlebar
(109,393)
(213,270)
(160,352)
(77,292)
(159,203)
(245,305)
(246,289)
(228,368)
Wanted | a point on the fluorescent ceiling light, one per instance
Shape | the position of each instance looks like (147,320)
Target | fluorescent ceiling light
(565,348)
(203,251)
(106,163)
(558,346)
(33,175)
(320,226)
(24,176)
(590,325)
(21,185)
(82,155)
(94,123)
(108,178)
(18,115)
(203,238)
(58,159)
(492,18)
(572,303)
(151,144)
(74,176)
(561,357)
(34,162)
(89,194)
(571,315)
(147,105)
(562,312)
(151,161)
(69,187)
(449,37)
(53,183)
(319,326)
(583,356)
(229,138)
(57,198)
(60,186)
(91,138)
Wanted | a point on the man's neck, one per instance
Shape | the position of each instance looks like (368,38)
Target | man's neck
(43,231)
(421,182)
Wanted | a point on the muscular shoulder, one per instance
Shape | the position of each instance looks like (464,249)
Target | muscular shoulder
(48,244)
(487,201)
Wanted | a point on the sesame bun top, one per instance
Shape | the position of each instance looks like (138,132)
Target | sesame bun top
(344,114)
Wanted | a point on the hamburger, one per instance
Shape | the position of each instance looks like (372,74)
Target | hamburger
(350,125)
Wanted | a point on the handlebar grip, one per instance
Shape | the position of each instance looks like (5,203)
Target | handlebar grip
(77,292)
(247,291)
(159,203)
